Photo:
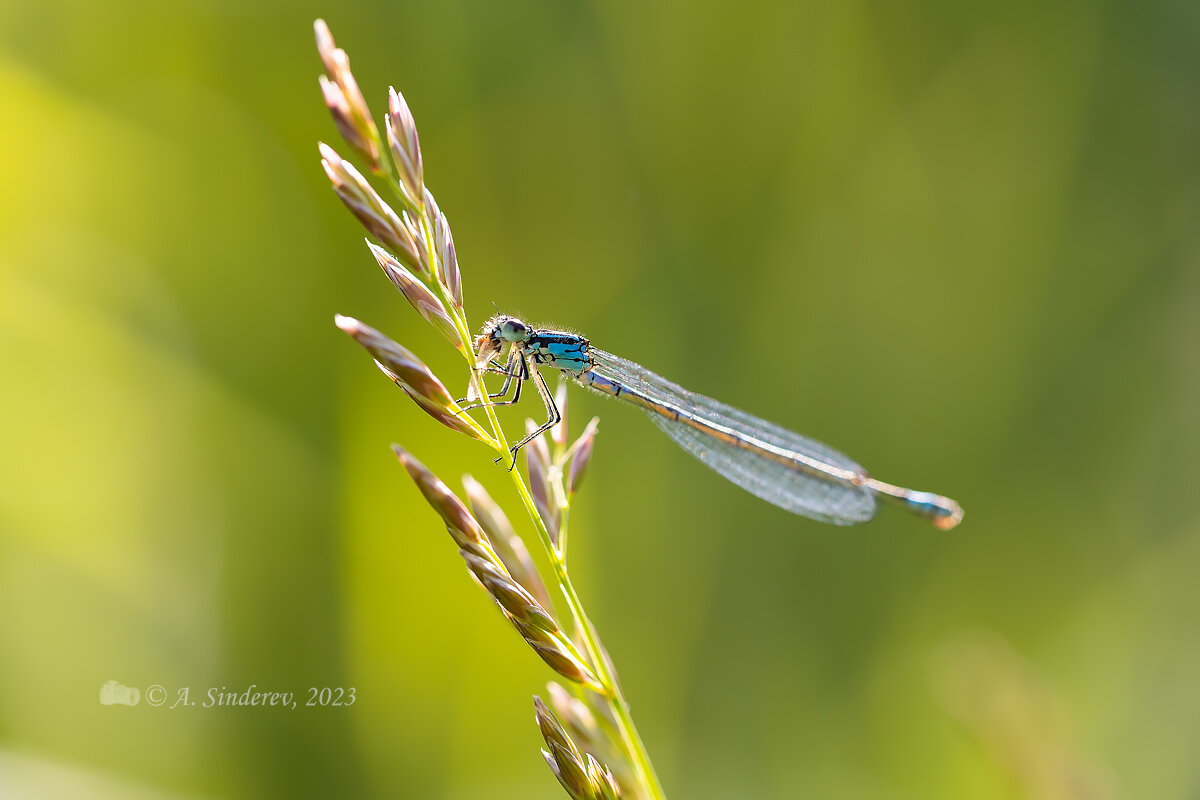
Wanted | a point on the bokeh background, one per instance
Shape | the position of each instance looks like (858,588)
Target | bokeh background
(957,240)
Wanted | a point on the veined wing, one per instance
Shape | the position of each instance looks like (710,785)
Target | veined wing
(782,467)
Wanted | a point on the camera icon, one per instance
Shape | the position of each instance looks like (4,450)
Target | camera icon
(113,692)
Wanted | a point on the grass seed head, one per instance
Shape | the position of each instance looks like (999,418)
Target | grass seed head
(574,712)
(369,208)
(508,546)
(558,434)
(604,783)
(536,625)
(537,462)
(583,456)
(447,257)
(405,147)
(345,99)
(581,775)
(410,374)
(559,654)
(512,597)
(424,301)
(466,531)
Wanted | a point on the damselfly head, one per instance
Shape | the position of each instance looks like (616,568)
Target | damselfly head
(503,328)
(497,332)
(511,329)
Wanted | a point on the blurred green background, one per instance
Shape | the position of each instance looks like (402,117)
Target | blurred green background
(958,241)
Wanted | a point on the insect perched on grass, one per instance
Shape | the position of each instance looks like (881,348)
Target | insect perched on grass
(783,468)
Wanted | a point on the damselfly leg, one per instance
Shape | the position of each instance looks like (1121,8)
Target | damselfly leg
(551,410)
(519,376)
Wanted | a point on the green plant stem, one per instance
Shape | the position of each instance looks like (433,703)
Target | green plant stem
(563,529)
(630,737)
(460,324)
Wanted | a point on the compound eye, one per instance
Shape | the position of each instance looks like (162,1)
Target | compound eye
(514,329)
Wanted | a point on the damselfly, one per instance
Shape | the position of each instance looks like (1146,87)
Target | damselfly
(784,468)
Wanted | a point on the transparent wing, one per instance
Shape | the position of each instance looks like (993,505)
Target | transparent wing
(800,491)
